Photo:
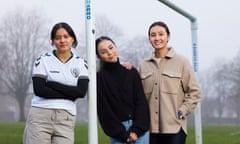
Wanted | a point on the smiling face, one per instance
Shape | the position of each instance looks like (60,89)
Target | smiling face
(107,51)
(62,40)
(158,37)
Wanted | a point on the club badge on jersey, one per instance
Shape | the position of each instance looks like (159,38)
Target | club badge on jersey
(75,72)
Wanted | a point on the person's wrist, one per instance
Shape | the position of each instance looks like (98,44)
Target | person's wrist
(180,115)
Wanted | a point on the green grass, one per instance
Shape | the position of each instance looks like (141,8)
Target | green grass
(11,133)
(216,134)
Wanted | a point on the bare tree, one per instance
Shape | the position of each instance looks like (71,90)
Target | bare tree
(136,50)
(220,84)
(233,76)
(22,36)
(106,28)
(234,100)
(208,106)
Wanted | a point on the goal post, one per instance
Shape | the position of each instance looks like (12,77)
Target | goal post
(197,111)
(92,88)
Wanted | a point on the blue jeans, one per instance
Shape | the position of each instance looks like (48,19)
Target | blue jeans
(144,139)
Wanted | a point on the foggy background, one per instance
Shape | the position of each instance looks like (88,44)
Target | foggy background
(24,34)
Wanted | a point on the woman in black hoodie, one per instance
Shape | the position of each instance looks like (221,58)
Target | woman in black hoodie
(123,111)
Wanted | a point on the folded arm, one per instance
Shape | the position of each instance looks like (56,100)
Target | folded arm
(74,92)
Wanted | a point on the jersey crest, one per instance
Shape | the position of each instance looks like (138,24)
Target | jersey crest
(75,72)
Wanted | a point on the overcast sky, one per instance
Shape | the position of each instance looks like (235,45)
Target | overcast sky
(218,21)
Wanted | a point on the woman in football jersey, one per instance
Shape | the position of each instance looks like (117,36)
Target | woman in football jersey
(59,78)
(122,106)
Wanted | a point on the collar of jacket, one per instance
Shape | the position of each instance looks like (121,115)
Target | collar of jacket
(169,55)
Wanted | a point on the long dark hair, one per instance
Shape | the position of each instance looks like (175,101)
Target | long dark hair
(100,39)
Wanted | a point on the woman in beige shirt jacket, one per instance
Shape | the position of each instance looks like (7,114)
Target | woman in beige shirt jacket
(170,86)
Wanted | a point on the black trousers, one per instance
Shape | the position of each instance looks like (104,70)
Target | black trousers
(159,138)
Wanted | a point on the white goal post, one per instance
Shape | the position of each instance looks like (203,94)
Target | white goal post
(197,111)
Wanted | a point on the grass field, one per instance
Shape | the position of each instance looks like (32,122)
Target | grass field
(11,133)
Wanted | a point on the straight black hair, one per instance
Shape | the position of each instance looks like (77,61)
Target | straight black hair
(68,28)
(100,39)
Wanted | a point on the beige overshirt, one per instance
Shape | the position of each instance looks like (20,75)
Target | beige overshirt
(170,86)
